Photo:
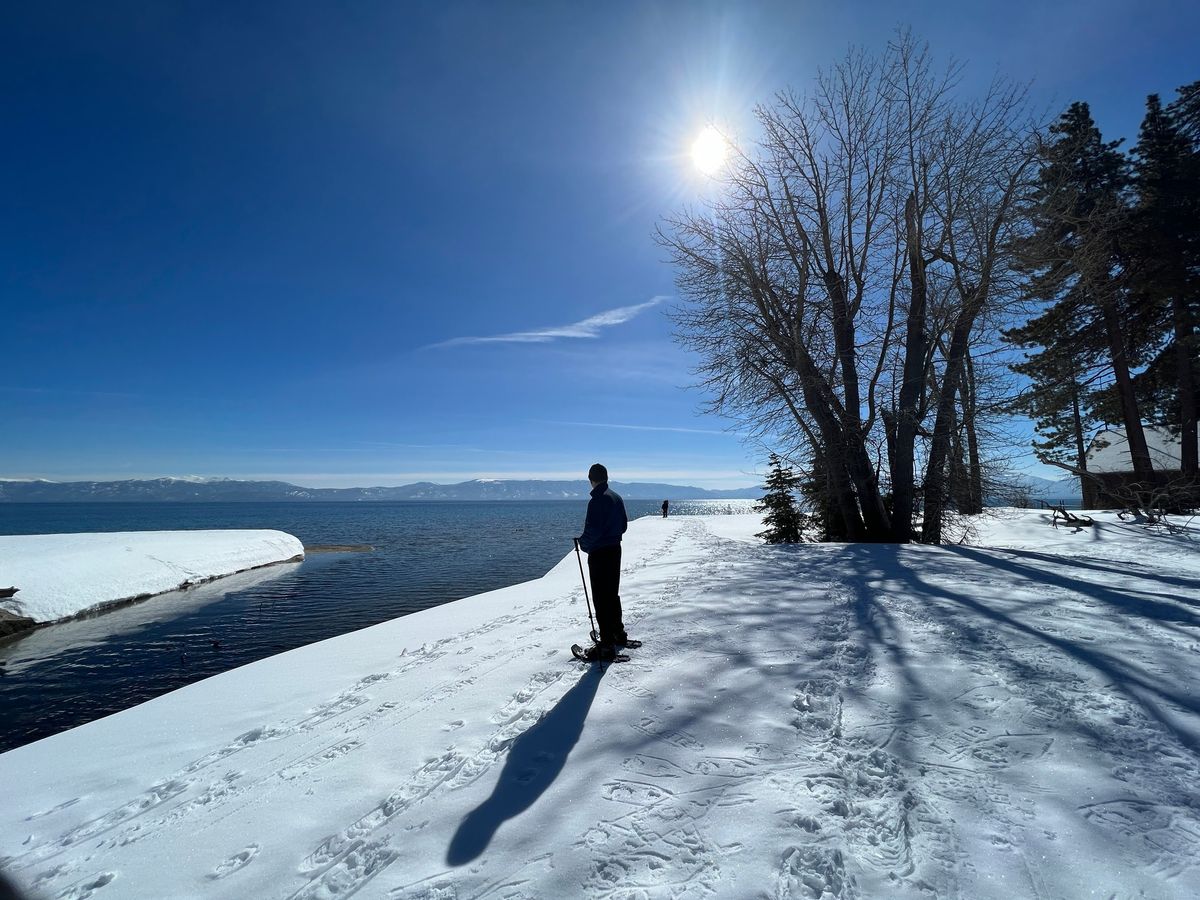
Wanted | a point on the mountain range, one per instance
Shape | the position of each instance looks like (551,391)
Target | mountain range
(195,489)
(233,490)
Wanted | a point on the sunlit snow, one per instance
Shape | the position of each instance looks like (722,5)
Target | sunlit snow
(62,575)
(1012,718)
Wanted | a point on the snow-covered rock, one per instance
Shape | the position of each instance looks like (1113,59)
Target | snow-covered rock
(63,575)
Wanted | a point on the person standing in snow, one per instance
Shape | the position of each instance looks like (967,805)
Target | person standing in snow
(601,541)
(664,508)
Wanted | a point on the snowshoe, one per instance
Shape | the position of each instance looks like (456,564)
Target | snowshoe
(622,641)
(598,653)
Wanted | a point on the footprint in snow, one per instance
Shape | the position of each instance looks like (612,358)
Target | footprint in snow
(651,727)
(53,809)
(815,872)
(88,887)
(229,865)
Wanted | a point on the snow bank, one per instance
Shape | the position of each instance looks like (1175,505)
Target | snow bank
(63,575)
(833,721)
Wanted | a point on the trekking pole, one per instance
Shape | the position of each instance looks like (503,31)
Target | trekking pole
(586,599)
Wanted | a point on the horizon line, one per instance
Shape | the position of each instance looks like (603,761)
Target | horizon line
(212,479)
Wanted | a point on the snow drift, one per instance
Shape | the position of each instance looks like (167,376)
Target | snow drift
(62,575)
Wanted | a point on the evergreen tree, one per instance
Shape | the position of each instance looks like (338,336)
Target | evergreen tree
(1165,277)
(1076,263)
(1185,112)
(1060,396)
(785,523)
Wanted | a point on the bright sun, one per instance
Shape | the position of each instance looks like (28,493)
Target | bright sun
(708,151)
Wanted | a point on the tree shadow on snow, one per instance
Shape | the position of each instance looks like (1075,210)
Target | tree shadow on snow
(534,761)
(787,603)
(1125,569)
(973,618)
(771,621)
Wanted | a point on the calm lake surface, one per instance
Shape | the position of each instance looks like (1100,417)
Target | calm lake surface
(425,554)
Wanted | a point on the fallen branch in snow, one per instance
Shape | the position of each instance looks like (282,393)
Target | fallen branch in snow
(1061,512)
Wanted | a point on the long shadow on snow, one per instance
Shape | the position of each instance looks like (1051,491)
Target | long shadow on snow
(782,626)
(1146,692)
(1126,600)
(780,599)
(1125,570)
(534,761)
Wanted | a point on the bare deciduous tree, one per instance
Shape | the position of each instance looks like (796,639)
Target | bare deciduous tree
(846,263)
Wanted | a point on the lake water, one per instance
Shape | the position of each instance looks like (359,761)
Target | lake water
(425,554)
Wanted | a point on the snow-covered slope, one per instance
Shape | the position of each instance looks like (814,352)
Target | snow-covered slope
(62,575)
(828,721)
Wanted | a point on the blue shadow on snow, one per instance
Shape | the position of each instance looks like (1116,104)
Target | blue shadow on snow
(534,761)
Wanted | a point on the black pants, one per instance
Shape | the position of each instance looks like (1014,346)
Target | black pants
(604,567)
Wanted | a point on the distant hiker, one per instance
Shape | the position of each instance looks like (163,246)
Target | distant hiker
(601,541)
(665,505)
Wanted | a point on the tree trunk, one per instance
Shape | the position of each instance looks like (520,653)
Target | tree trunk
(1139,453)
(935,472)
(855,459)
(1185,367)
(915,347)
(974,466)
(833,440)
(956,486)
(843,496)
(875,517)
(1087,488)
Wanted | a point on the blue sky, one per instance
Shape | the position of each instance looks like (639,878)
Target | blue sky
(375,243)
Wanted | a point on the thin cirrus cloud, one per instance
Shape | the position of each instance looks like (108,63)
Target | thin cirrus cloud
(644,427)
(585,328)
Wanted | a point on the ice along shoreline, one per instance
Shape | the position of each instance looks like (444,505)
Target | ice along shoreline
(62,576)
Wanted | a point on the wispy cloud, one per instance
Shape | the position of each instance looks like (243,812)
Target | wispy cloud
(643,427)
(586,328)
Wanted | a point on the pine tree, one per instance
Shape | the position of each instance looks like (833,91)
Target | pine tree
(1077,266)
(1185,111)
(785,523)
(1060,396)
(1165,242)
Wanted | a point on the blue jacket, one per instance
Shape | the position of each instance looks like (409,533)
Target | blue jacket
(606,520)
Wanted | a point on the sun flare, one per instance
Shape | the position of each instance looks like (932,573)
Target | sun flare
(708,151)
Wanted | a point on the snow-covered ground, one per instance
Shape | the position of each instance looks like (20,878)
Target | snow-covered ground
(1013,719)
(63,575)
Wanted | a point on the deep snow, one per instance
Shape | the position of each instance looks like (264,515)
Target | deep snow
(63,575)
(1012,719)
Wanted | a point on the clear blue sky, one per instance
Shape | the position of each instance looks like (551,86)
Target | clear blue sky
(252,239)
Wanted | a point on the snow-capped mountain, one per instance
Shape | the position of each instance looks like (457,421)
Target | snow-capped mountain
(195,488)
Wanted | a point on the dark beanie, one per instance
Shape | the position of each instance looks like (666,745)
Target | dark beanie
(597,473)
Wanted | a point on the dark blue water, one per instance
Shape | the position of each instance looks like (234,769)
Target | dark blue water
(425,554)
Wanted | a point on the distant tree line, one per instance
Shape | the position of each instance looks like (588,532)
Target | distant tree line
(857,281)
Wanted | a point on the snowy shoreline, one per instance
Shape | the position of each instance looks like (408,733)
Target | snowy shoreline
(63,576)
(1009,719)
